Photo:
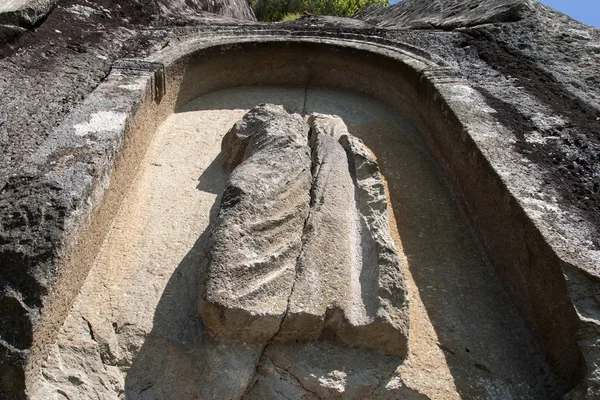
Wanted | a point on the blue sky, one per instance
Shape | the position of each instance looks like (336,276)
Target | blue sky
(586,11)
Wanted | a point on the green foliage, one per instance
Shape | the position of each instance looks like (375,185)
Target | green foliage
(277,10)
(291,16)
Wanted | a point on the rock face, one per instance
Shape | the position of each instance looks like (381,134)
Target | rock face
(281,271)
(38,206)
(25,13)
(257,237)
(181,9)
(30,13)
(548,101)
(350,283)
(446,14)
(319,370)
(331,259)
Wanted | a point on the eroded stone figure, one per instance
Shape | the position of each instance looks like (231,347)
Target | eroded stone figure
(301,249)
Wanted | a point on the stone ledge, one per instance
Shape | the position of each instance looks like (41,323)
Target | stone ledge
(73,172)
(25,13)
(475,128)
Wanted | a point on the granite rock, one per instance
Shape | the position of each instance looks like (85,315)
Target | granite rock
(446,14)
(282,271)
(350,283)
(258,234)
(325,370)
(550,60)
(25,13)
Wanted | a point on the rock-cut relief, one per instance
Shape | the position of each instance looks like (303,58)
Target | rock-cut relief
(301,249)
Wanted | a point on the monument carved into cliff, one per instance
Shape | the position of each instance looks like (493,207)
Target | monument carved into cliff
(483,115)
(301,248)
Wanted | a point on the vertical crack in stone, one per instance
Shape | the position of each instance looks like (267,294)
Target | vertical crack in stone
(349,281)
(301,249)
(314,169)
(314,172)
(296,379)
(90,329)
(258,233)
(309,81)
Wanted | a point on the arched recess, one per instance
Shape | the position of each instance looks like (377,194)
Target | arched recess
(444,110)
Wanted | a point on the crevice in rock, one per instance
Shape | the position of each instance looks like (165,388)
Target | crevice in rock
(90,329)
(308,82)
(102,348)
(296,379)
(314,173)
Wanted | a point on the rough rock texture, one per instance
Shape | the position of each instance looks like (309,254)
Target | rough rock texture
(446,14)
(387,279)
(553,61)
(44,211)
(25,13)
(46,72)
(147,289)
(102,352)
(319,370)
(539,71)
(180,10)
(350,283)
(31,13)
(258,234)
(549,102)
(279,271)
(330,264)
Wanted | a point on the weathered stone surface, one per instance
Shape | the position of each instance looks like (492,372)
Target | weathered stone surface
(392,315)
(446,14)
(178,10)
(25,13)
(29,13)
(46,73)
(38,208)
(234,147)
(330,262)
(279,269)
(152,350)
(541,73)
(324,370)
(257,237)
(350,283)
